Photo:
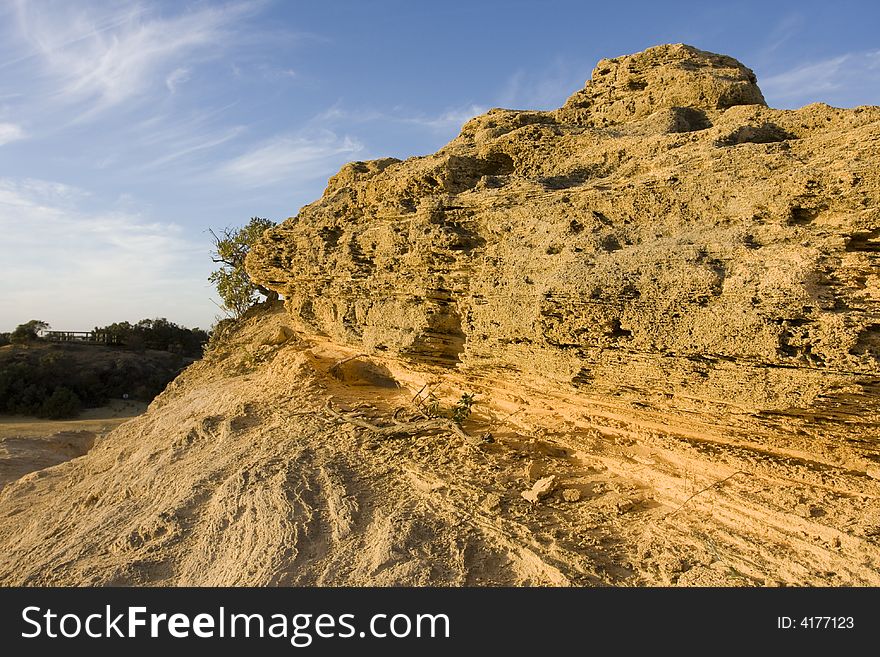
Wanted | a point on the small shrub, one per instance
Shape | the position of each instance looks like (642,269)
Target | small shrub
(62,403)
(462,409)
(459,412)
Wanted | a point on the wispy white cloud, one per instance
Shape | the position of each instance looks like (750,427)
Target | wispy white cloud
(447,119)
(33,194)
(11,132)
(103,58)
(807,78)
(194,144)
(544,89)
(288,157)
(451,118)
(168,143)
(62,262)
(270,72)
(176,78)
(786,29)
(847,79)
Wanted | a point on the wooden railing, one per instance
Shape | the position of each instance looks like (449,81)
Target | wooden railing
(81,337)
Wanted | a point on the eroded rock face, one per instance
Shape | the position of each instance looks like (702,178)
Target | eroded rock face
(678,78)
(664,235)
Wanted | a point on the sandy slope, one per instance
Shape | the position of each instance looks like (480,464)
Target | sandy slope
(238,475)
(28,444)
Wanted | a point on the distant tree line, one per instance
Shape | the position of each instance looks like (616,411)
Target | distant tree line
(157,334)
(56,381)
(44,379)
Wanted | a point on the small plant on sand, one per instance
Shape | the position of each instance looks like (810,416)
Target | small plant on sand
(462,409)
(458,413)
(426,416)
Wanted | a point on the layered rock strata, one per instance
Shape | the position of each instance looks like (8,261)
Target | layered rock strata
(662,236)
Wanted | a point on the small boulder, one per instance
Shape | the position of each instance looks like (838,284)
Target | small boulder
(541,488)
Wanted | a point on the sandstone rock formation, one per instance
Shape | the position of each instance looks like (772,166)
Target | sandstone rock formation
(661,298)
(662,234)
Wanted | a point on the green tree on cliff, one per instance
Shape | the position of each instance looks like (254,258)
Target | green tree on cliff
(236,289)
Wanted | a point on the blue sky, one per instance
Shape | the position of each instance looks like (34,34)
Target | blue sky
(128,129)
